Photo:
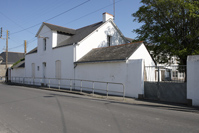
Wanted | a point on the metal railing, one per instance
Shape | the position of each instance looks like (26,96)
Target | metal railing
(165,73)
(107,88)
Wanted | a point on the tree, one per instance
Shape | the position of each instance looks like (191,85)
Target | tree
(171,25)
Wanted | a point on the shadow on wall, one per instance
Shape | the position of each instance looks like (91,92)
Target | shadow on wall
(115,40)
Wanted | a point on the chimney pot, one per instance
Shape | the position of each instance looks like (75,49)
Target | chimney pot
(107,16)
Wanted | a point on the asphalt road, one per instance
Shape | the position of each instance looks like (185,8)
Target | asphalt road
(30,110)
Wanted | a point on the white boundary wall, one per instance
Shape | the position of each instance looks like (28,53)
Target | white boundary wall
(193,79)
(129,73)
(18,72)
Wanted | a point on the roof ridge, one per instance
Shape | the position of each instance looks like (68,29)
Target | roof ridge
(89,25)
(12,52)
(58,26)
(120,45)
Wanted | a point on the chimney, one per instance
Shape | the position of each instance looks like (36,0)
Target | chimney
(107,16)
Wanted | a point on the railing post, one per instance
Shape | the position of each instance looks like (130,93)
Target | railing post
(81,86)
(107,90)
(123,92)
(49,83)
(70,85)
(93,88)
(59,84)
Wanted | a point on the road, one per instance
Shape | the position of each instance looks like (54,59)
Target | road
(31,110)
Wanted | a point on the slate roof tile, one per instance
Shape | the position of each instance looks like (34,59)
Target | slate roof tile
(12,57)
(112,53)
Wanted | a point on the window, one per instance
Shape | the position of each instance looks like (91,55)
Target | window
(109,40)
(58,69)
(44,44)
(175,74)
(181,74)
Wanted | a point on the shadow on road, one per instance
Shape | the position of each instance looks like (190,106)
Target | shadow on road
(141,103)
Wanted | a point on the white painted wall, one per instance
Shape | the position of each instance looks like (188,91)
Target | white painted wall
(50,56)
(18,72)
(192,79)
(99,39)
(142,53)
(129,73)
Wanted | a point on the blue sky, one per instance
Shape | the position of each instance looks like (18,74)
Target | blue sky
(17,16)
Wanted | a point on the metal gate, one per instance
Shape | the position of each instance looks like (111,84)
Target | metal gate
(165,83)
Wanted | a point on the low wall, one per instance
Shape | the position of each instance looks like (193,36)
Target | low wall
(129,73)
(193,79)
(166,91)
(18,72)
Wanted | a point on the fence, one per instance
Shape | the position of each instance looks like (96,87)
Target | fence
(108,88)
(165,73)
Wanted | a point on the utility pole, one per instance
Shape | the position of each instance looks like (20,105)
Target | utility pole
(6,49)
(1,32)
(25,46)
(113,9)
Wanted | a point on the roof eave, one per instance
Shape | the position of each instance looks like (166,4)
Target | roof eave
(101,61)
(39,29)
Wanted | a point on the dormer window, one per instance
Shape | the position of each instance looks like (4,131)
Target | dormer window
(109,38)
(44,45)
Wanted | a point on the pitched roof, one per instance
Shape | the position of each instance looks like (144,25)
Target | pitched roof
(129,39)
(12,57)
(32,51)
(60,28)
(81,34)
(112,53)
(21,64)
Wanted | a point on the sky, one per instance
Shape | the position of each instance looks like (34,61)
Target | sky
(23,18)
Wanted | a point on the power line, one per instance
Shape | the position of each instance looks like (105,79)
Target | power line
(28,42)
(93,12)
(52,17)
(34,39)
(14,21)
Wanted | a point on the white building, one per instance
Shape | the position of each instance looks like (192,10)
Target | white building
(98,52)
(169,70)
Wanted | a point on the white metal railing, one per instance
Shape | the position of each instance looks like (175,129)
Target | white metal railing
(74,84)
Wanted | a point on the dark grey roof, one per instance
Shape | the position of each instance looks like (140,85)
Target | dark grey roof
(60,28)
(12,57)
(75,35)
(129,39)
(20,64)
(81,34)
(112,53)
(33,51)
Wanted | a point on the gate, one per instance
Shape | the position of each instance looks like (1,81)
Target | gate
(165,83)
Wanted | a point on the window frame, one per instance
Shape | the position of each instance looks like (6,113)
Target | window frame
(109,40)
(44,44)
